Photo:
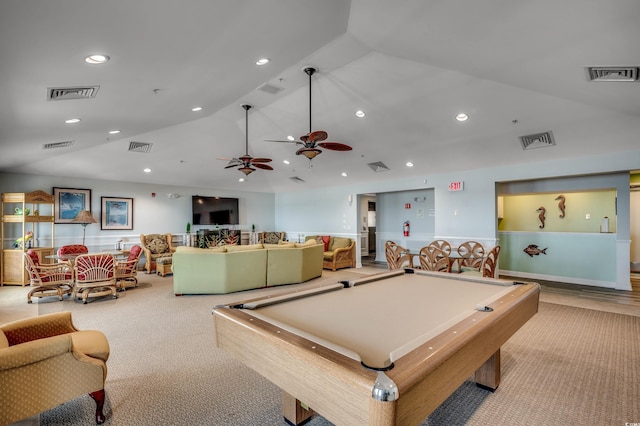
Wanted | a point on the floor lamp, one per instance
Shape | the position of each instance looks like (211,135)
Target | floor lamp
(84,218)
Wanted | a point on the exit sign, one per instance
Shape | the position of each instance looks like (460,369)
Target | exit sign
(456,186)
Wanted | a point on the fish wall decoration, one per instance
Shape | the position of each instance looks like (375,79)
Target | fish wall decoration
(561,205)
(534,250)
(541,211)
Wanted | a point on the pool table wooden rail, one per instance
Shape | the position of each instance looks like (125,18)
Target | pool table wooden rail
(339,388)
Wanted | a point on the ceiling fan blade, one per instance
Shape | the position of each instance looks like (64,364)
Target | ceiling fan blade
(335,146)
(262,166)
(228,166)
(260,160)
(317,136)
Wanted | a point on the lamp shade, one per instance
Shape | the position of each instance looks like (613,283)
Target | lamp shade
(84,217)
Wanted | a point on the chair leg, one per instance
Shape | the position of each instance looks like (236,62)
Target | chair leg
(98,397)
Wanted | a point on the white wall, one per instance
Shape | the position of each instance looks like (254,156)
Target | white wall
(158,214)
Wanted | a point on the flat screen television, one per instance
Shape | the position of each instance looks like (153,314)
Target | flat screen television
(214,210)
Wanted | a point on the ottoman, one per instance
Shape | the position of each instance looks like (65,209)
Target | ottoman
(163,266)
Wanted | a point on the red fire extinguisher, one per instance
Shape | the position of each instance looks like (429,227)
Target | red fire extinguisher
(406,229)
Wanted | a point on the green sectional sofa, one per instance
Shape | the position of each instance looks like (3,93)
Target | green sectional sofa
(228,269)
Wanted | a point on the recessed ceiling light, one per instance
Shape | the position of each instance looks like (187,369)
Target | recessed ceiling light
(462,117)
(286,161)
(409,164)
(241,180)
(146,170)
(263,61)
(291,138)
(196,109)
(72,121)
(114,132)
(96,59)
(360,113)
(343,174)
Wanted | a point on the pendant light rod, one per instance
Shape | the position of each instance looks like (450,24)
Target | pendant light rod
(246,107)
(310,71)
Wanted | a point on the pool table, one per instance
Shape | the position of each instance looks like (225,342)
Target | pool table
(386,349)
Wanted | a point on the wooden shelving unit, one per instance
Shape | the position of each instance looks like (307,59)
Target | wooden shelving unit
(41,210)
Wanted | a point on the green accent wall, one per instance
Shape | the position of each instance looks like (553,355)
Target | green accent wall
(519,212)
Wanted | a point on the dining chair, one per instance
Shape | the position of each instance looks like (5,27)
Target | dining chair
(47,280)
(95,276)
(72,250)
(434,259)
(127,268)
(443,245)
(470,255)
(490,263)
(397,256)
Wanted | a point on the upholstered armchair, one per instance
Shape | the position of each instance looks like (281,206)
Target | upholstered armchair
(155,246)
(47,280)
(339,252)
(46,361)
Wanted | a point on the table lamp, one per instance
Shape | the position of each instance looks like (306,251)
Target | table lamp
(84,218)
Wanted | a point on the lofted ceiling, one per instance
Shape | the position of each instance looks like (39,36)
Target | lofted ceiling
(515,67)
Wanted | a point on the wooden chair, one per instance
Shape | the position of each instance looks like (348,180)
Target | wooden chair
(72,250)
(95,276)
(127,269)
(397,256)
(434,259)
(47,280)
(490,263)
(443,245)
(155,246)
(470,256)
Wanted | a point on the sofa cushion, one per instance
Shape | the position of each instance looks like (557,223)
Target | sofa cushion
(309,242)
(279,246)
(340,242)
(232,248)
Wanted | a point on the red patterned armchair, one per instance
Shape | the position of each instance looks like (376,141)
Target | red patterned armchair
(155,246)
(47,280)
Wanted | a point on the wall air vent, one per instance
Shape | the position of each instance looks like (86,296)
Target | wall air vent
(538,140)
(140,147)
(612,73)
(378,167)
(55,145)
(66,93)
(270,89)
(296,179)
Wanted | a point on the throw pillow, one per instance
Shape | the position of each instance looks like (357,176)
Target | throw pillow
(325,240)
(158,246)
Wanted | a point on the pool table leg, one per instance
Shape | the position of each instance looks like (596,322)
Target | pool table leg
(293,411)
(488,375)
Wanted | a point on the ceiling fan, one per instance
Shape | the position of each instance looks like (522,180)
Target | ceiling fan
(246,163)
(312,140)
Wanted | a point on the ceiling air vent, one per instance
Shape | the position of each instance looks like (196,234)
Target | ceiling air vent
(612,73)
(270,89)
(538,140)
(378,167)
(296,179)
(140,146)
(66,93)
(57,145)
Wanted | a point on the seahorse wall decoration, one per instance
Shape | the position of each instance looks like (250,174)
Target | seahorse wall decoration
(541,211)
(561,205)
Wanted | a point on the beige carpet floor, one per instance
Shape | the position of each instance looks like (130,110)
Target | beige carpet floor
(567,365)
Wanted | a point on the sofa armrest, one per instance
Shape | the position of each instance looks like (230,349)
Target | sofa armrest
(44,326)
(34,351)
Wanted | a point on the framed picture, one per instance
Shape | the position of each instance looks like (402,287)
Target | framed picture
(117,213)
(68,202)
